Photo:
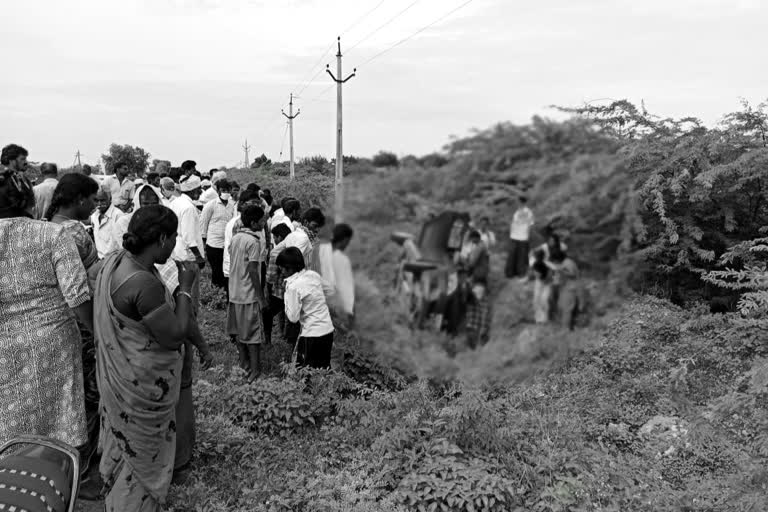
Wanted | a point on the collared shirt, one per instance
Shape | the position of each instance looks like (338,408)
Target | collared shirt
(229,232)
(274,277)
(246,248)
(189,228)
(520,229)
(305,303)
(122,194)
(208,195)
(43,195)
(104,230)
(345,282)
(213,221)
(301,241)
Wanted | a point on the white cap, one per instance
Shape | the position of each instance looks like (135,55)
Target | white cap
(192,183)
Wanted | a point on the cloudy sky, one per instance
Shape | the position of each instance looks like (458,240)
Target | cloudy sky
(194,78)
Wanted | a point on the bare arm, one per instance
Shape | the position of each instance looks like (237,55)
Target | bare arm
(84,313)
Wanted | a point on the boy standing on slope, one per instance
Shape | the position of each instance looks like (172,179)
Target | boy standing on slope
(519,233)
(246,295)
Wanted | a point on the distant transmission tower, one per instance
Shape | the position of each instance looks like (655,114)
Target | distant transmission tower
(246,147)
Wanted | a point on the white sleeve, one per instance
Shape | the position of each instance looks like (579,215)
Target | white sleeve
(227,242)
(190,229)
(292,304)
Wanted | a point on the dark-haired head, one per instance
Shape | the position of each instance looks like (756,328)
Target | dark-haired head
(267,198)
(292,209)
(474,235)
(15,157)
(223,185)
(87,170)
(313,219)
(187,166)
(284,201)
(175,174)
(280,232)
(121,170)
(557,255)
(342,234)
(75,193)
(290,261)
(49,169)
(152,231)
(246,196)
(253,186)
(252,217)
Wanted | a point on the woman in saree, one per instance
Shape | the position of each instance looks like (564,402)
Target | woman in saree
(73,201)
(141,331)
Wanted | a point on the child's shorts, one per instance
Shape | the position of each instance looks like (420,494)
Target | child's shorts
(244,321)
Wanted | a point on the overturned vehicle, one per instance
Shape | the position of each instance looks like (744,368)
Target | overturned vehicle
(429,282)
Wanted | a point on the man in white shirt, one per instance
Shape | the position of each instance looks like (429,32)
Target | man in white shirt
(344,298)
(123,188)
(104,222)
(305,303)
(213,222)
(519,234)
(189,242)
(44,191)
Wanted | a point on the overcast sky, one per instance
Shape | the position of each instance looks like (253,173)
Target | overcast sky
(194,78)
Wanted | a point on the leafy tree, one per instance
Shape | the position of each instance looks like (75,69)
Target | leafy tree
(317,164)
(261,161)
(136,158)
(694,191)
(385,159)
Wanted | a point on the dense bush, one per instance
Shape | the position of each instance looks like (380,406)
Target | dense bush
(385,159)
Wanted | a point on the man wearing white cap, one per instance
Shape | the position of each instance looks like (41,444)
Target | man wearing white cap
(189,242)
(212,193)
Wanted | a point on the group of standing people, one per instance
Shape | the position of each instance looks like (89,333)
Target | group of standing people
(97,328)
(556,292)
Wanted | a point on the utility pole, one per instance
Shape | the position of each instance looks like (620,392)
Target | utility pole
(246,148)
(291,117)
(339,189)
(77,159)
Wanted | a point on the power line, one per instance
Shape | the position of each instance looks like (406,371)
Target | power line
(382,26)
(361,18)
(330,48)
(282,144)
(415,34)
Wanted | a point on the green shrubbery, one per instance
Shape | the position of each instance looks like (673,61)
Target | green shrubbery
(665,412)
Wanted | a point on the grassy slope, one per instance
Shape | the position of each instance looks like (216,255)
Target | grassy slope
(546,420)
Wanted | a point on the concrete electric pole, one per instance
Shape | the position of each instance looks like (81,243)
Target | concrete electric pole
(290,115)
(339,182)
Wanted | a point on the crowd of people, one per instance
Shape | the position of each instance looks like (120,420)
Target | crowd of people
(100,299)
(463,307)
